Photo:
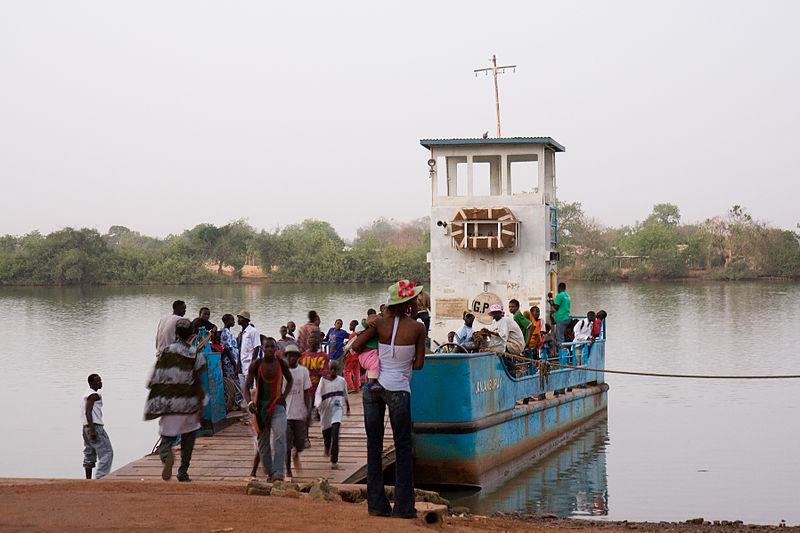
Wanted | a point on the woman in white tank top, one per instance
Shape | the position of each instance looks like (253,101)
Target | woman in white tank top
(401,349)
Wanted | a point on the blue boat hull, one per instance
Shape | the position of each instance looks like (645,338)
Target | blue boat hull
(471,424)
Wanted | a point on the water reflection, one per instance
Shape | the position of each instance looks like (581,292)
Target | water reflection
(571,481)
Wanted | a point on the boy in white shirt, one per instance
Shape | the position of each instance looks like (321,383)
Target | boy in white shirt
(332,389)
(96,444)
(298,403)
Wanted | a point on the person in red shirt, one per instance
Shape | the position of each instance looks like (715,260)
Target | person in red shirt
(597,325)
(352,368)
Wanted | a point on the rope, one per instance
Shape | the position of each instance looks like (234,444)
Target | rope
(545,366)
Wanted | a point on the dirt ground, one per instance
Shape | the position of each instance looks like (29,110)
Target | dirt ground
(80,505)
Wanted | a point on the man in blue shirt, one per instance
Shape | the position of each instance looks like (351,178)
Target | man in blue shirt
(464,334)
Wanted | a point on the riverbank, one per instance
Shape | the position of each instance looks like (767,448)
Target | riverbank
(81,505)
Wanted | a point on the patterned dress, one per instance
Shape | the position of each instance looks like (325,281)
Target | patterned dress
(229,341)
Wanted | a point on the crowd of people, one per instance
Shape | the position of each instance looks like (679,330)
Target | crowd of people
(524,332)
(284,382)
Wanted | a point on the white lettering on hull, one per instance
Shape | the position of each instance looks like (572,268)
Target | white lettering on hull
(487,385)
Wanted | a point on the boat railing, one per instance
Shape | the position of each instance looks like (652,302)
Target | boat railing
(573,353)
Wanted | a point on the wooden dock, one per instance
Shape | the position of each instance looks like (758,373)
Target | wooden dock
(228,454)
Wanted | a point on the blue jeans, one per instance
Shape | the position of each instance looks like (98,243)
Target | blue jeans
(399,404)
(560,328)
(274,461)
(99,451)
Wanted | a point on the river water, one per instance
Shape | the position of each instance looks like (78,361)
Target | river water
(669,450)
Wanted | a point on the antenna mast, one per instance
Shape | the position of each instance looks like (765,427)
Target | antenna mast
(494,69)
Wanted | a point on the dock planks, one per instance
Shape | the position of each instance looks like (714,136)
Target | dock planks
(228,455)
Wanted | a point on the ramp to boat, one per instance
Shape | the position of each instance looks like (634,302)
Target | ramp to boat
(228,454)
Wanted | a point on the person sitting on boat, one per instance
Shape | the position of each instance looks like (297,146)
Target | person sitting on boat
(508,335)
(450,346)
(597,325)
(464,334)
(535,339)
(522,321)
(583,327)
(549,348)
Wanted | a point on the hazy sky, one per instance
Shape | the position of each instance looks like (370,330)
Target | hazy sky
(162,115)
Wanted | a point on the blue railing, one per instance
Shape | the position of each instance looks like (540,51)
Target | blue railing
(553,227)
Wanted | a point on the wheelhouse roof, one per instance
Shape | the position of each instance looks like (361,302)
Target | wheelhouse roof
(553,145)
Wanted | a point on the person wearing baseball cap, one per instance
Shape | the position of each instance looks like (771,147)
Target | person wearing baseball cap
(464,333)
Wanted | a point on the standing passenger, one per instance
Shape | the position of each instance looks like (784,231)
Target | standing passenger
(249,341)
(401,349)
(96,444)
(230,350)
(290,327)
(562,314)
(423,310)
(165,334)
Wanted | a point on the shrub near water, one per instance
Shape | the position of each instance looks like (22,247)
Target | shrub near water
(734,246)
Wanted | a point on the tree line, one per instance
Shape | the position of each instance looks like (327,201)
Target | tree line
(732,247)
(310,251)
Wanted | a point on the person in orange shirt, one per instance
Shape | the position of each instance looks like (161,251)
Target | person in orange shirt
(535,340)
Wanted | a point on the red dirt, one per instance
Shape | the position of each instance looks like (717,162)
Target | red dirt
(217,507)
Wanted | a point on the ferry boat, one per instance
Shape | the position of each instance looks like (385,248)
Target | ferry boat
(494,237)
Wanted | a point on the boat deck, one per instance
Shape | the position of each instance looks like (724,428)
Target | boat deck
(228,454)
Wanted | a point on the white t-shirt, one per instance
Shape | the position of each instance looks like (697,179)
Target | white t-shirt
(296,408)
(511,334)
(97,408)
(582,329)
(165,335)
(250,340)
(330,398)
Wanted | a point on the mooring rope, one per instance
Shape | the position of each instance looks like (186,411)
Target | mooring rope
(544,368)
